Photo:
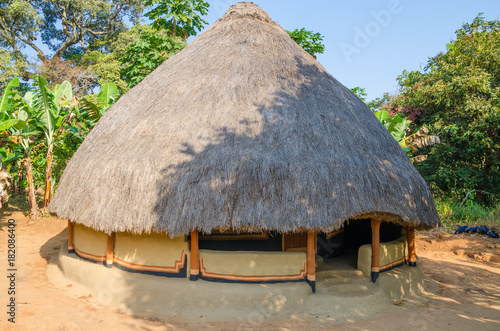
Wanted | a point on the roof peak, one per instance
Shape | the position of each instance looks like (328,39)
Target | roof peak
(246,9)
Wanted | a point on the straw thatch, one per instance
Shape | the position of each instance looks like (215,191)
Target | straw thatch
(241,129)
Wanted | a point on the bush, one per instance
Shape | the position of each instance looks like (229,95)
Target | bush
(472,213)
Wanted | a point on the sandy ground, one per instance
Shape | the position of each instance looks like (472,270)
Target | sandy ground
(466,267)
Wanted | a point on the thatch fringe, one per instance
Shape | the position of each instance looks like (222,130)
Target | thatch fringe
(241,129)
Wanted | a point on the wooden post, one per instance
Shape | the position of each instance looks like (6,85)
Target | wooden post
(195,256)
(71,248)
(375,249)
(311,260)
(410,238)
(110,249)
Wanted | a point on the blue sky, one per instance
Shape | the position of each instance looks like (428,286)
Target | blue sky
(398,34)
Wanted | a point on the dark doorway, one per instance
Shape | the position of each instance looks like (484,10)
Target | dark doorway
(354,234)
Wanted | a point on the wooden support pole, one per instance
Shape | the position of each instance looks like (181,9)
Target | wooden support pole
(375,249)
(71,248)
(410,238)
(110,250)
(311,260)
(195,256)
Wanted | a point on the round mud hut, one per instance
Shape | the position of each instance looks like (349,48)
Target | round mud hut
(241,159)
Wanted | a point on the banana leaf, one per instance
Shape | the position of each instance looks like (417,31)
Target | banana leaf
(44,108)
(8,94)
(108,95)
(63,94)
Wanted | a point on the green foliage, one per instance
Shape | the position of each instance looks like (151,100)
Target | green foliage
(22,136)
(360,92)
(395,124)
(106,68)
(67,140)
(310,41)
(26,135)
(108,95)
(65,146)
(88,40)
(10,67)
(8,122)
(398,126)
(94,108)
(49,106)
(103,57)
(378,103)
(145,55)
(182,18)
(19,23)
(67,23)
(67,28)
(471,213)
(457,98)
(46,121)
(8,96)
(39,163)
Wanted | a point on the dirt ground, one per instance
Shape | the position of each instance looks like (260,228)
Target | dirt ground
(466,267)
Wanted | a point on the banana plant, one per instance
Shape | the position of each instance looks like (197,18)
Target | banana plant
(398,126)
(21,136)
(7,120)
(49,109)
(26,138)
(90,109)
(108,95)
(418,140)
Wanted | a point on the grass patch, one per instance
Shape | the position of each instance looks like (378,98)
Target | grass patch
(471,213)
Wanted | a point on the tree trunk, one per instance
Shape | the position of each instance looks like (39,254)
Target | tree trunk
(48,181)
(174,28)
(31,186)
(20,178)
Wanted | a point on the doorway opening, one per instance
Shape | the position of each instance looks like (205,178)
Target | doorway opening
(339,249)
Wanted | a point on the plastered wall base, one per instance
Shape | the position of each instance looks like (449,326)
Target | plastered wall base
(174,298)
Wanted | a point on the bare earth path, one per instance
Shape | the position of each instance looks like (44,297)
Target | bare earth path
(467,269)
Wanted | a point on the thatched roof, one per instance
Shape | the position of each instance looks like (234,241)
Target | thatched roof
(241,129)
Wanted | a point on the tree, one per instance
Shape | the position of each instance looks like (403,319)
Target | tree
(173,22)
(66,27)
(457,97)
(182,18)
(310,41)
(102,59)
(145,55)
(56,70)
(360,92)
(379,103)
(81,22)
(19,24)
(9,67)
